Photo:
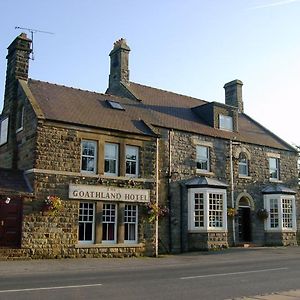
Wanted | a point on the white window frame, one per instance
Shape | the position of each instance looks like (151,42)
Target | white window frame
(20,118)
(84,241)
(109,220)
(91,157)
(112,158)
(280,198)
(136,161)
(131,219)
(3,131)
(276,169)
(225,122)
(243,164)
(208,213)
(203,159)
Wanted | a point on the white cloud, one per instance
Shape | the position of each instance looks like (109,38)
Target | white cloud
(278,3)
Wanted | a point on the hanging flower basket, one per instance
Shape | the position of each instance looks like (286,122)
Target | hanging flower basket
(52,205)
(262,213)
(231,212)
(154,210)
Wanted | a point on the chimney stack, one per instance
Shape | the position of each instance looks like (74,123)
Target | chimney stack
(233,94)
(119,72)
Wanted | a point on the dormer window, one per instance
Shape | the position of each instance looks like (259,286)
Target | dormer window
(225,123)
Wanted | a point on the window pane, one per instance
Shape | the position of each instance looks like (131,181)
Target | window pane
(274,213)
(202,158)
(130,222)
(111,159)
(274,167)
(88,156)
(225,122)
(243,165)
(86,221)
(215,210)
(287,213)
(132,160)
(108,222)
(199,210)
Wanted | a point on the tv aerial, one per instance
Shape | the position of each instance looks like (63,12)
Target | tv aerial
(32,32)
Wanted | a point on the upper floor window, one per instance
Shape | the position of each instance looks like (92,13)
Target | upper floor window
(111,157)
(3,131)
(132,161)
(202,158)
(88,156)
(243,165)
(20,119)
(225,123)
(274,168)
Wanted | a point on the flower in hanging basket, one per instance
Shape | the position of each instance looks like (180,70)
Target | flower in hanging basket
(155,211)
(52,204)
(231,212)
(262,213)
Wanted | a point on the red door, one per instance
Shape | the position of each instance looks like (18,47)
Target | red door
(10,222)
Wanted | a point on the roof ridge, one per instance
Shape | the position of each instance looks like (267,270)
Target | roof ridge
(158,89)
(69,87)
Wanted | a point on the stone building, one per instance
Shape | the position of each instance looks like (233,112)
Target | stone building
(111,158)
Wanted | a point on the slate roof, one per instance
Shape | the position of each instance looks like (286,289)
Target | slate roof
(13,181)
(152,107)
(87,108)
(174,111)
(277,189)
(203,181)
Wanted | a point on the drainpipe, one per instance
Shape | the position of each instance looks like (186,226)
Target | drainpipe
(232,190)
(156,201)
(169,191)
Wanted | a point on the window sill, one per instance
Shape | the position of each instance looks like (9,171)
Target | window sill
(275,180)
(203,172)
(19,129)
(245,177)
(281,230)
(83,245)
(207,230)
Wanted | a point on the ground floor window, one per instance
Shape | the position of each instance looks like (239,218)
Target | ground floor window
(86,222)
(130,223)
(207,209)
(112,229)
(109,223)
(282,213)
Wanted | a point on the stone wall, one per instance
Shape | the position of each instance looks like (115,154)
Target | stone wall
(183,167)
(58,155)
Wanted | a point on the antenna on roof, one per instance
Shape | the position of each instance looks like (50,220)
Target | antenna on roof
(32,31)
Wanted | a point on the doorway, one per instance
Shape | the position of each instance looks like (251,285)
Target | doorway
(10,222)
(244,224)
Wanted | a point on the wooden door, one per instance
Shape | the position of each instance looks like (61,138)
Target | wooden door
(10,222)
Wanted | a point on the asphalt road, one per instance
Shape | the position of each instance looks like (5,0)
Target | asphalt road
(213,275)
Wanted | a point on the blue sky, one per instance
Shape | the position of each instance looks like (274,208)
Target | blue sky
(191,47)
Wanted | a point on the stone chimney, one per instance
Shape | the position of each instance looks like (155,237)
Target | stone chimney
(17,68)
(233,94)
(17,65)
(119,72)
